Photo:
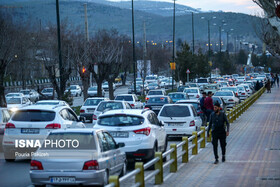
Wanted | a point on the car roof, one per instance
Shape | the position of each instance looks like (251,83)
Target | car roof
(124,111)
(125,94)
(189,101)
(92,98)
(177,93)
(176,104)
(44,107)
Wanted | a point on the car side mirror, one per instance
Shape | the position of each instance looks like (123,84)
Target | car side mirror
(161,123)
(120,145)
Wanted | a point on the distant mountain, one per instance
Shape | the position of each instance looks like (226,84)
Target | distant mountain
(106,15)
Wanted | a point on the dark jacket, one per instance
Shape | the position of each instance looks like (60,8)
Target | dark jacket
(217,122)
(202,104)
(208,103)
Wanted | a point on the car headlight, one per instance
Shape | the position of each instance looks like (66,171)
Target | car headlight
(14,109)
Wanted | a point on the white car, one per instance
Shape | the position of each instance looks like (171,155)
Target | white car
(75,90)
(104,106)
(32,95)
(47,93)
(193,92)
(15,103)
(105,86)
(33,123)
(132,99)
(179,119)
(224,84)
(229,97)
(4,118)
(247,88)
(242,93)
(14,95)
(89,107)
(240,79)
(92,92)
(52,102)
(155,93)
(140,130)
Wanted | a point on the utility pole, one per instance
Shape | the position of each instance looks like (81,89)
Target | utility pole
(192,33)
(227,42)
(133,47)
(173,54)
(61,69)
(87,38)
(144,73)
(209,48)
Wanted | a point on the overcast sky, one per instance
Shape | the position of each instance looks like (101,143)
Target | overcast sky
(243,6)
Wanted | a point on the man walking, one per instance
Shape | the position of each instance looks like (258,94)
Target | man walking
(203,109)
(217,124)
(208,104)
(277,80)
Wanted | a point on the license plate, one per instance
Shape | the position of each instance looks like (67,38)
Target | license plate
(30,131)
(62,179)
(119,134)
(91,111)
(156,108)
(175,124)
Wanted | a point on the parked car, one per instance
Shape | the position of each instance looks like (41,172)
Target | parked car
(91,163)
(179,119)
(4,118)
(47,93)
(229,97)
(75,90)
(32,95)
(105,86)
(155,93)
(15,103)
(193,92)
(140,130)
(132,99)
(177,96)
(220,100)
(92,91)
(14,95)
(34,123)
(104,106)
(89,107)
(155,103)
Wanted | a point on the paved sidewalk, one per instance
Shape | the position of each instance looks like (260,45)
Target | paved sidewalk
(253,152)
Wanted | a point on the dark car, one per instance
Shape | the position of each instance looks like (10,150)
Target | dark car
(155,103)
(181,88)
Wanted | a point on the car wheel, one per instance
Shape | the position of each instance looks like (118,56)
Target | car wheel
(155,149)
(105,178)
(124,169)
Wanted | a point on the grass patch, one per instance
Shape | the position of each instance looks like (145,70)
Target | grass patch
(76,109)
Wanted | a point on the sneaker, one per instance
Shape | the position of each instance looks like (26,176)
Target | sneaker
(216,161)
(224,159)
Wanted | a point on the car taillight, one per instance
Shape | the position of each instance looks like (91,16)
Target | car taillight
(146,108)
(9,126)
(192,123)
(243,94)
(147,98)
(145,131)
(132,105)
(94,117)
(221,108)
(230,100)
(53,126)
(197,96)
(236,94)
(91,165)
(36,165)
(82,111)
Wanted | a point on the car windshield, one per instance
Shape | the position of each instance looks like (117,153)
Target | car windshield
(150,78)
(33,115)
(92,89)
(175,111)
(155,93)
(13,101)
(212,87)
(191,91)
(181,88)
(25,92)
(192,85)
(124,98)
(47,90)
(109,106)
(223,94)
(120,120)
(230,88)
(92,102)
(158,100)
(202,81)
(83,141)
(152,84)
(72,88)
(13,95)
(241,88)
(176,96)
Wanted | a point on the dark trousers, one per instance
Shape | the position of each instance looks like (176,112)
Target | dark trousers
(222,137)
(208,113)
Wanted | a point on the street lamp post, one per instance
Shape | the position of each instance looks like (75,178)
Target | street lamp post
(192,33)
(133,47)
(220,38)
(173,54)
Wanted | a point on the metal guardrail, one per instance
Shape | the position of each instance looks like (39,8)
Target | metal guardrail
(115,181)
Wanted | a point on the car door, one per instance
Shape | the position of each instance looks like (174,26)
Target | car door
(118,158)
(197,118)
(107,156)
(66,119)
(161,132)
(74,119)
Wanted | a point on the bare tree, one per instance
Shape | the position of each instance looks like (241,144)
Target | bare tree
(8,44)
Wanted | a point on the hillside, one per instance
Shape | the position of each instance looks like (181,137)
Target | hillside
(103,15)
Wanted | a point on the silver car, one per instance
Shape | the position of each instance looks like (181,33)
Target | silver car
(91,161)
